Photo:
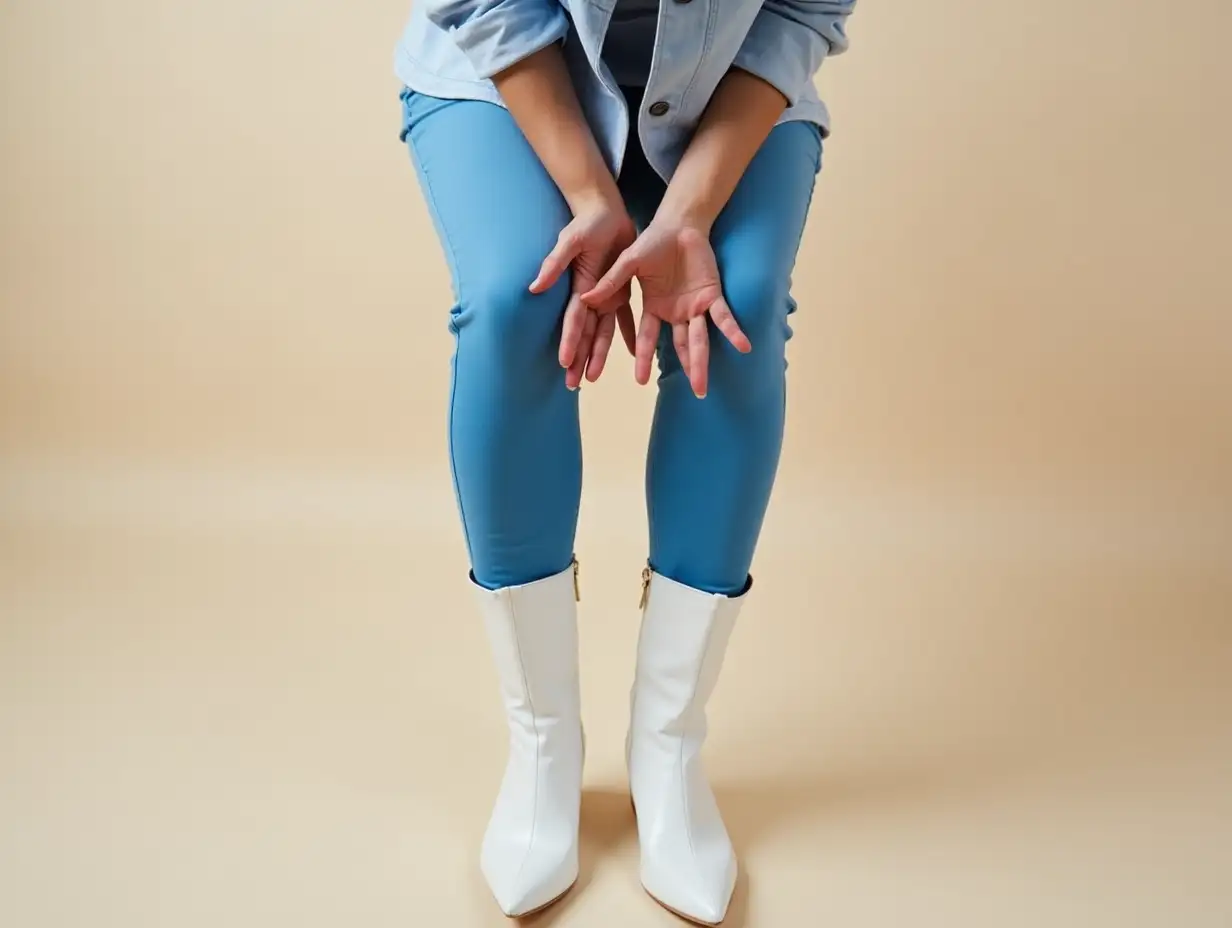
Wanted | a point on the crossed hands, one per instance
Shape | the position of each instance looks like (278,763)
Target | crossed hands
(679,278)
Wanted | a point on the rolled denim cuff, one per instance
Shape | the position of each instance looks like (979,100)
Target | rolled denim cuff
(508,32)
(783,53)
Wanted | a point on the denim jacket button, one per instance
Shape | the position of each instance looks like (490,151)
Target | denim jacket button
(660,108)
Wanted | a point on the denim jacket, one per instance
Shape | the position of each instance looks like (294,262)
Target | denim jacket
(451,49)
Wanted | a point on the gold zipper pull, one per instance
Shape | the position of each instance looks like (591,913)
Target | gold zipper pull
(577,585)
(645,588)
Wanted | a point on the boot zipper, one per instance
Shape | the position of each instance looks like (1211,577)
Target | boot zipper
(645,588)
(577,585)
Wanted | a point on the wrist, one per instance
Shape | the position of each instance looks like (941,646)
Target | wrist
(686,215)
(593,195)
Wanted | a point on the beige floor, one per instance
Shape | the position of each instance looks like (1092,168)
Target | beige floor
(227,700)
(986,678)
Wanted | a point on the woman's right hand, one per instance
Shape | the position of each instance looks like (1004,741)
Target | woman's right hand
(599,232)
(538,90)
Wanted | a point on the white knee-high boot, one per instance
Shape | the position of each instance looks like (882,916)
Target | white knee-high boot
(687,861)
(530,849)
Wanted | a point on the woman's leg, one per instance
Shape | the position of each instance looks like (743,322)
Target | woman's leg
(711,462)
(709,471)
(514,442)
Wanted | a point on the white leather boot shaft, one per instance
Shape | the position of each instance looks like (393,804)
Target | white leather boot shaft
(530,849)
(687,861)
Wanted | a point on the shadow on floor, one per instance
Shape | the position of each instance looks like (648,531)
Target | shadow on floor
(755,810)
(607,827)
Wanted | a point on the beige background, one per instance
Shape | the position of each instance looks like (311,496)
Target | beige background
(987,675)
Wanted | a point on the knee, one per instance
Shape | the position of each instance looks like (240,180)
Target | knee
(498,303)
(760,301)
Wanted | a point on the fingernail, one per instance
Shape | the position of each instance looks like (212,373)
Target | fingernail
(700,396)
(572,389)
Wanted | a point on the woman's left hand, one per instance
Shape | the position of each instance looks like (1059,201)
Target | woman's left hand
(679,277)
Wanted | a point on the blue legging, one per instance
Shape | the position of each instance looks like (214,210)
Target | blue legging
(514,438)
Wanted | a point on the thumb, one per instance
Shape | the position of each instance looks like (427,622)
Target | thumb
(618,275)
(568,246)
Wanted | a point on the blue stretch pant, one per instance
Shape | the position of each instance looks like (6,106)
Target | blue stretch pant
(515,443)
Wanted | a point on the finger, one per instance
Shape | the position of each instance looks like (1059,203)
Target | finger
(644,349)
(568,245)
(618,276)
(573,376)
(613,304)
(680,338)
(628,330)
(571,330)
(698,351)
(699,356)
(605,332)
(726,323)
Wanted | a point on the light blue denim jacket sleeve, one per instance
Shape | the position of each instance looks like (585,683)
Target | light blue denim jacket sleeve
(496,34)
(785,45)
(452,48)
(789,39)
